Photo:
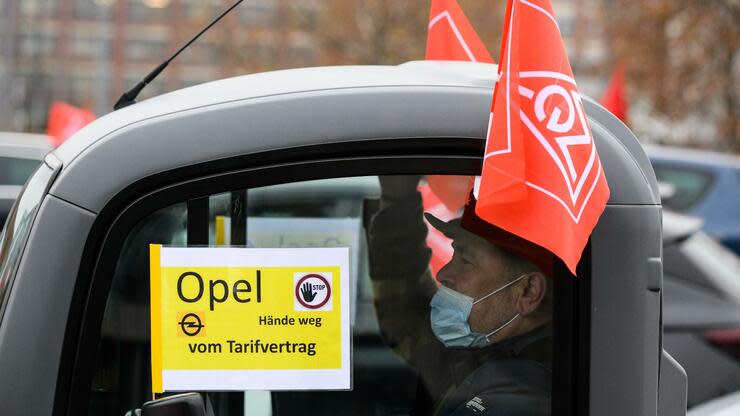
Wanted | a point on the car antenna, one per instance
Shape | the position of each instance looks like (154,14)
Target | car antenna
(129,97)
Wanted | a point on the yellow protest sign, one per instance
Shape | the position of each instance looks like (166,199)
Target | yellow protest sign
(249,318)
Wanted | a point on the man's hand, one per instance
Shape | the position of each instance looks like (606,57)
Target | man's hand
(398,186)
(307,291)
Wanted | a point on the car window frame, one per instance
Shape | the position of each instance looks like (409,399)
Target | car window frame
(18,239)
(461,156)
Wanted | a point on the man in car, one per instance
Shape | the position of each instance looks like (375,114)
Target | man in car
(481,341)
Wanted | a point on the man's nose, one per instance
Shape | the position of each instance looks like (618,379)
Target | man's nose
(446,276)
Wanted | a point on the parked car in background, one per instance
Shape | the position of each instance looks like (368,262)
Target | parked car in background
(728,405)
(704,184)
(20,156)
(701,308)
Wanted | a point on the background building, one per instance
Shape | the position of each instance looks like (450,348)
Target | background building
(87,52)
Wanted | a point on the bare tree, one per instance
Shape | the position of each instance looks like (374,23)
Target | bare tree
(683,58)
(338,32)
(392,32)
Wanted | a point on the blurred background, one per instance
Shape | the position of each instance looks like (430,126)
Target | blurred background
(679,58)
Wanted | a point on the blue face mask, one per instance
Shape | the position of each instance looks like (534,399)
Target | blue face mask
(450,313)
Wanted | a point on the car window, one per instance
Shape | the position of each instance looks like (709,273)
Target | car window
(15,171)
(409,355)
(681,188)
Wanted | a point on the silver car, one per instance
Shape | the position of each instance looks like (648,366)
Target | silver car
(74,328)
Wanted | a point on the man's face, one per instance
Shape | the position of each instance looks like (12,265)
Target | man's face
(477,268)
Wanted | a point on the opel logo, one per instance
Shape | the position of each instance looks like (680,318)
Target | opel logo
(190,324)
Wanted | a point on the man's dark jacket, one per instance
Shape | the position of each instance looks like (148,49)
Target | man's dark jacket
(512,377)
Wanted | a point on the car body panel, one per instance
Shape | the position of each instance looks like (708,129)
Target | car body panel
(608,341)
(40,306)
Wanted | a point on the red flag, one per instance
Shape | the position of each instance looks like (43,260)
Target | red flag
(451,37)
(614,98)
(65,120)
(452,190)
(542,178)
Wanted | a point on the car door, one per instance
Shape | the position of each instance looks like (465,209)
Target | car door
(318,202)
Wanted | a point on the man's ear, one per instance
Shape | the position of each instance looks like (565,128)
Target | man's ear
(531,293)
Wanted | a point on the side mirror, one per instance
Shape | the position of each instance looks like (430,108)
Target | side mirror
(186,404)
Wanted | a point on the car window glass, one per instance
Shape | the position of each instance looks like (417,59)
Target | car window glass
(400,364)
(681,188)
(14,171)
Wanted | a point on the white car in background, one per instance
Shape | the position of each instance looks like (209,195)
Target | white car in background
(728,405)
(20,156)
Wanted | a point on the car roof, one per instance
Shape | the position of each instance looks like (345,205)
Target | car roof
(276,83)
(24,145)
(692,156)
(302,107)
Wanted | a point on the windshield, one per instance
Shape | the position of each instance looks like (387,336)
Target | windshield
(17,228)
